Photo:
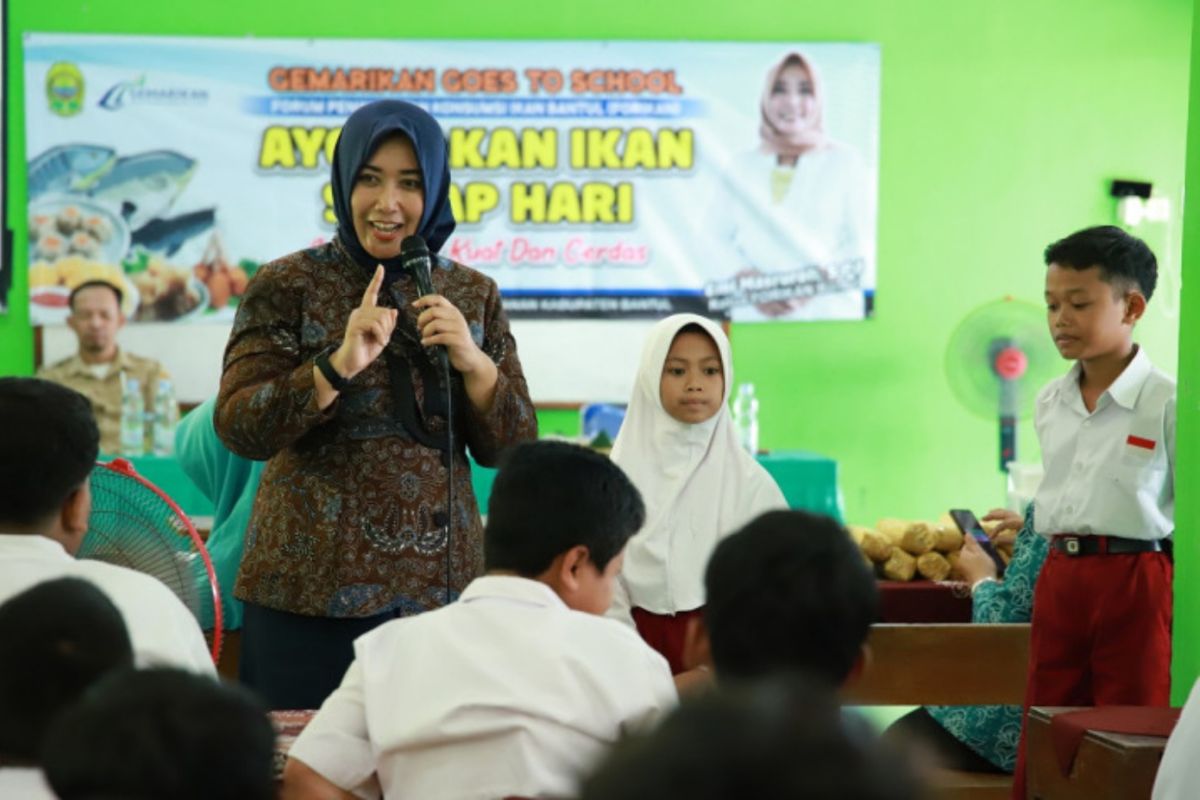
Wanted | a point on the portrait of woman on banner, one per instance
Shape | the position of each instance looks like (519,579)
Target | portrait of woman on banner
(796,213)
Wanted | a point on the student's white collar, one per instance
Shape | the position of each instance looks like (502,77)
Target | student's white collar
(512,588)
(1124,391)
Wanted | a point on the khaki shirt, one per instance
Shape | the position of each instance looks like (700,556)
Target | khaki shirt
(105,393)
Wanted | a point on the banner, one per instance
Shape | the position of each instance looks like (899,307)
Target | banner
(591,179)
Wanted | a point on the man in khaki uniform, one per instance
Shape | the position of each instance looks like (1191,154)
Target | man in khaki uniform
(99,370)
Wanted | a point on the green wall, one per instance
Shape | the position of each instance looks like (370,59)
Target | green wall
(1187,435)
(1002,124)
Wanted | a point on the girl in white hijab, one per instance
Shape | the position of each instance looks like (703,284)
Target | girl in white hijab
(679,447)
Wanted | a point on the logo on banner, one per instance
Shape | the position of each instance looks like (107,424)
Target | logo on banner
(64,89)
(125,93)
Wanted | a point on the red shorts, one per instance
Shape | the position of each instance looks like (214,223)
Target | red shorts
(1100,636)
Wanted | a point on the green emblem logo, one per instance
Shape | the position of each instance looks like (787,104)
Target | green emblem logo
(64,89)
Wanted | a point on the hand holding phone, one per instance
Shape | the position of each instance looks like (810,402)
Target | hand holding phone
(969,525)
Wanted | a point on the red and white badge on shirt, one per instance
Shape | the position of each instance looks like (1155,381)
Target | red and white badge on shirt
(1138,441)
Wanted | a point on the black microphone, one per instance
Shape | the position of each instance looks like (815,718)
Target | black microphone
(416,260)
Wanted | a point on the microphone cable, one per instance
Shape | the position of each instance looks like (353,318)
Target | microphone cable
(449,468)
(418,262)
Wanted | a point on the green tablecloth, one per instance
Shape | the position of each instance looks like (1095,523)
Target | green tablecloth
(809,482)
(165,473)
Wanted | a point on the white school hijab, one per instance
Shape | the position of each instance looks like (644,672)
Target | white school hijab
(698,484)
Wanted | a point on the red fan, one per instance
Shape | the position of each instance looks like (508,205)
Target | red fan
(135,525)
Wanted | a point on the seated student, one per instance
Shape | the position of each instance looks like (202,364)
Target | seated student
(162,733)
(101,369)
(773,738)
(981,738)
(230,482)
(47,454)
(789,592)
(519,686)
(58,638)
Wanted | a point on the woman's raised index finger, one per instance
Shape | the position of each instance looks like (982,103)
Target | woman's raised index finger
(371,295)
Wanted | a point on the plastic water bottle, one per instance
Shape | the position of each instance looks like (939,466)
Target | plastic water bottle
(166,417)
(133,419)
(745,417)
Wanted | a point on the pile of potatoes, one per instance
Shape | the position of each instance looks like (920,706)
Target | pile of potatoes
(899,550)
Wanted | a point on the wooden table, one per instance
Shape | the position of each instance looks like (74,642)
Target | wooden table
(1108,766)
(943,665)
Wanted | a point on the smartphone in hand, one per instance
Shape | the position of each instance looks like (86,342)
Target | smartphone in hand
(969,525)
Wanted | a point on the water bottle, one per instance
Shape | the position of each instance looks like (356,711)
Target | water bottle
(133,419)
(166,417)
(745,417)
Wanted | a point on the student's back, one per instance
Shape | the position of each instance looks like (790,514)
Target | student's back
(507,676)
(520,686)
(47,454)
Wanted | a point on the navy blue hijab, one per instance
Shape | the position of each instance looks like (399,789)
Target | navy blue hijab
(362,134)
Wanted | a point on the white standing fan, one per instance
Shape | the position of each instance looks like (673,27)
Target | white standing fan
(997,360)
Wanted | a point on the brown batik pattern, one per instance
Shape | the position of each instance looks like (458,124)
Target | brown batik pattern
(349,517)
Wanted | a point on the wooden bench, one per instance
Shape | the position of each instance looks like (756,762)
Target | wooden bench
(1108,766)
(950,664)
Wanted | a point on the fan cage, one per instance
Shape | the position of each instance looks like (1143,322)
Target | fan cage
(136,525)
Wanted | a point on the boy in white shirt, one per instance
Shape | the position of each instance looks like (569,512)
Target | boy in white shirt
(47,453)
(1101,628)
(518,687)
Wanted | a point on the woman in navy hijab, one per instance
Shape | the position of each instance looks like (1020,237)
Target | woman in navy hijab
(329,376)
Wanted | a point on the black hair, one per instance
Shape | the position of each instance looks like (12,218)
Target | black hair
(47,451)
(1124,260)
(781,738)
(162,732)
(59,637)
(788,592)
(551,496)
(89,284)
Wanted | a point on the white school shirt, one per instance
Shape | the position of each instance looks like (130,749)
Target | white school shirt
(162,630)
(1179,771)
(505,692)
(1110,472)
(25,783)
